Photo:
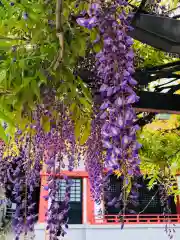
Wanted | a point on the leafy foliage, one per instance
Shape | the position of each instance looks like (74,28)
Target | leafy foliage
(160,150)
(29,46)
(160,156)
(147,56)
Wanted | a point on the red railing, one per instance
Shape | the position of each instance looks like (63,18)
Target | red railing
(137,219)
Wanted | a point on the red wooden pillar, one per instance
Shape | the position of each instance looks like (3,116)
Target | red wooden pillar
(90,205)
(178,205)
(43,204)
(178,197)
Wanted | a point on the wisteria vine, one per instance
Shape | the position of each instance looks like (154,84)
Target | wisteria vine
(115,68)
(94,161)
(20,170)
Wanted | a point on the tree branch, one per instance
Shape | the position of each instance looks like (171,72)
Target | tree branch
(59,32)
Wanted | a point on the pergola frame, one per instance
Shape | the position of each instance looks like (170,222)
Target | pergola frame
(156,101)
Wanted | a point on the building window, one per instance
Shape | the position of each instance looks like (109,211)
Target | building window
(75,212)
(75,192)
(147,203)
(147,200)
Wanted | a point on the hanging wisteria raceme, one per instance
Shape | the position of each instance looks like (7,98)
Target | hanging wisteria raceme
(69,139)
(60,137)
(58,146)
(165,200)
(57,212)
(94,161)
(59,149)
(33,181)
(21,172)
(57,220)
(115,68)
(52,161)
(20,195)
(23,176)
(3,167)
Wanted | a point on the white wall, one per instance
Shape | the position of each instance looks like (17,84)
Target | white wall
(108,232)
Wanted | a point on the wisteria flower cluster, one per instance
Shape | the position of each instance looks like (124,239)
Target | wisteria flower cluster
(20,170)
(94,161)
(57,214)
(20,175)
(115,68)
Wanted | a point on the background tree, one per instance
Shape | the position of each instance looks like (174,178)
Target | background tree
(160,154)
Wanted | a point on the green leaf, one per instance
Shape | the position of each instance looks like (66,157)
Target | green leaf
(42,77)
(5,45)
(85,90)
(33,16)
(77,130)
(72,88)
(24,85)
(82,48)
(2,75)
(45,123)
(86,133)
(3,135)
(97,47)
(84,102)
(72,107)
(35,88)
(10,130)
(93,34)
(152,182)
(6,119)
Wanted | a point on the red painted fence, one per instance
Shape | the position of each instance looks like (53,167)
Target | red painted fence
(137,219)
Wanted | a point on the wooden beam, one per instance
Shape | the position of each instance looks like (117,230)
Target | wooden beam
(158,102)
